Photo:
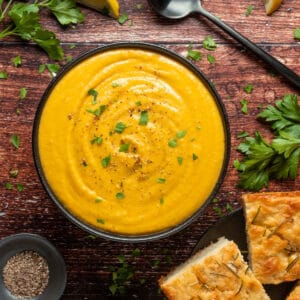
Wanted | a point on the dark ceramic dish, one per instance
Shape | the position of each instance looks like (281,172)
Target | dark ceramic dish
(232,227)
(17,243)
(111,235)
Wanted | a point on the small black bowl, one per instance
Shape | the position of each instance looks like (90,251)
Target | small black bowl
(17,243)
(111,235)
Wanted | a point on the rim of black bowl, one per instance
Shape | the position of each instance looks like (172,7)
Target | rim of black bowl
(147,237)
(17,243)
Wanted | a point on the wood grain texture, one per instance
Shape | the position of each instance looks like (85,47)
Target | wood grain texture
(88,260)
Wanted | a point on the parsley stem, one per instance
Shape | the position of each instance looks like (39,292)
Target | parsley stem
(3,13)
(7,31)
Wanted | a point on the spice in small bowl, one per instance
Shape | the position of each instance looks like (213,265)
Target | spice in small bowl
(26,274)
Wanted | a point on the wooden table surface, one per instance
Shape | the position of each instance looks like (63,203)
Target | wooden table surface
(88,260)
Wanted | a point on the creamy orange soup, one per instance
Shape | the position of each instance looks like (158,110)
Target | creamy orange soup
(131,141)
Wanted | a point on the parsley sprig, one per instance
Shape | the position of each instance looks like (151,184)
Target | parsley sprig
(277,159)
(24,22)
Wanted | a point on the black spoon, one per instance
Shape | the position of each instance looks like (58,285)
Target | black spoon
(177,9)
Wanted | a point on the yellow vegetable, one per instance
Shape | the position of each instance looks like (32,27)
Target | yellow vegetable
(131,141)
(271,5)
(110,7)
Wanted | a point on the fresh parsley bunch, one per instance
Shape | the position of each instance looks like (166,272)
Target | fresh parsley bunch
(278,159)
(24,22)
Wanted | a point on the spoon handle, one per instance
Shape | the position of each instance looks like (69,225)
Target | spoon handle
(273,62)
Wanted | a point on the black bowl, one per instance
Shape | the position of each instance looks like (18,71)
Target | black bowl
(111,235)
(17,243)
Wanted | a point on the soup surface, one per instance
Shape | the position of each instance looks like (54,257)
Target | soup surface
(131,141)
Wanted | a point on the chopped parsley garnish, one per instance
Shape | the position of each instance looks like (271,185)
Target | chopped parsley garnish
(242,134)
(173,143)
(211,59)
(101,221)
(98,111)
(297,34)
(98,200)
(42,68)
(136,252)
(17,61)
(53,69)
(69,58)
(193,54)
(244,104)
(161,201)
(120,195)
(20,187)
(180,160)
(115,84)
(195,157)
(23,92)
(124,147)
(8,186)
(105,161)
(249,10)
(161,180)
(93,93)
(181,134)
(123,18)
(248,88)
(209,44)
(3,75)
(144,118)
(120,127)
(138,103)
(15,140)
(72,46)
(13,173)
(229,208)
(96,140)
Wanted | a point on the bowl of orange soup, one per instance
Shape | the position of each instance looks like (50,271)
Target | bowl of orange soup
(131,142)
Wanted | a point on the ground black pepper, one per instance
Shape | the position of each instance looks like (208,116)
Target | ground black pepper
(26,274)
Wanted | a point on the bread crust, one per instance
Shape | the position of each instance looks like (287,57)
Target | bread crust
(222,275)
(273,233)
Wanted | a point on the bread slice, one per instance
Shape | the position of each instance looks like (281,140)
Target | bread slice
(217,272)
(295,293)
(273,233)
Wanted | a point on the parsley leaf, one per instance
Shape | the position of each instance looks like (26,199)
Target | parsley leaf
(3,75)
(105,161)
(285,113)
(244,104)
(278,159)
(249,10)
(144,118)
(173,143)
(15,140)
(93,93)
(96,139)
(66,11)
(209,44)
(181,134)
(23,92)
(17,61)
(211,59)
(98,111)
(120,195)
(120,127)
(123,18)
(161,180)
(193,54)
(124,147)
(248,88)
(52,68)
(297,34)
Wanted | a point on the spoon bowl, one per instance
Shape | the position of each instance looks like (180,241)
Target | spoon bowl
(177,9)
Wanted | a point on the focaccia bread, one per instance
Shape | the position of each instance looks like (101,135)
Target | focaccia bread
(295,294)
(273,233)
(217,272)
